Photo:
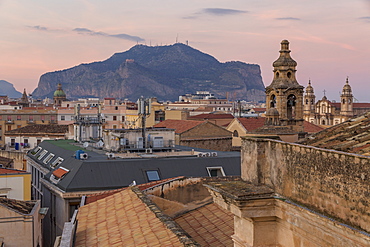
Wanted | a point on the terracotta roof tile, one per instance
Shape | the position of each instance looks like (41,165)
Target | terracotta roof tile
(209,225)
(212,116)
(251,124)
(23,207)
(180,126)
(259,109)
(10,171)
(40,128)
(351,136)
(311,128)
(101,195)
(122,219)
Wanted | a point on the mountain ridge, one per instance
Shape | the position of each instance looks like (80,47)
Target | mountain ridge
(164,72)
(7,88)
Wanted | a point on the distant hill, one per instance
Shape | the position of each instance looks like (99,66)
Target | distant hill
(164,72)
(6,88)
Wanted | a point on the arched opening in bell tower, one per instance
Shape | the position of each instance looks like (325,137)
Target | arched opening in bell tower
(272,101)
(291,103)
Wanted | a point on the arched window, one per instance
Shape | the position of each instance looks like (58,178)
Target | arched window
(272,101)
(344,101)
(289,74)
(306,101)
(291,102)
(277,74)
(235,133)
(323,122)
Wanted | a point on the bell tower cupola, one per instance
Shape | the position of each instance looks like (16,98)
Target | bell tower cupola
(346,100)
(309,100)
(284,93)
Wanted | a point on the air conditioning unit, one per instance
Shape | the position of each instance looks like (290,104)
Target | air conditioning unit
(214,154)
(84,156)
(110,155)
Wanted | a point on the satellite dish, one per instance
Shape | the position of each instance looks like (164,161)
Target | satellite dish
(86,144)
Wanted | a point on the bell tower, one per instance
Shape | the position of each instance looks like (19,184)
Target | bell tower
(346,100)
(284,93)
(309,102)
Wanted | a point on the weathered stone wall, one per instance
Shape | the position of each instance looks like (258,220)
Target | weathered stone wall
(18,157)
(218,144)
(334,183)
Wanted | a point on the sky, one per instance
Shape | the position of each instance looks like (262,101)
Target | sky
(330,40)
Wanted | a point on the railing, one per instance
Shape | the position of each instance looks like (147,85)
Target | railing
(150,144)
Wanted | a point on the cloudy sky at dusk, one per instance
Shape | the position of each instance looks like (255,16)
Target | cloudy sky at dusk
(330,40)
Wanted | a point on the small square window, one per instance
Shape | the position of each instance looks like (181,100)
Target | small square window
(152,175)
(215,171)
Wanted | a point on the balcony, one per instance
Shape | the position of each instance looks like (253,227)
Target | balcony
(9,121)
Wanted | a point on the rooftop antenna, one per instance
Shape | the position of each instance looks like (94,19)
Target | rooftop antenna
(324,92)
(177,37)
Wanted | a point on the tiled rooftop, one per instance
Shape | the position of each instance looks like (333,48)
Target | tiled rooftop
(180,126)
(251,124)
(5,161)
(352,136)
(40,128)
(311,128)
(212,116)
(126,219)
(104,194)
(209,225)
(10,171)
(23,207)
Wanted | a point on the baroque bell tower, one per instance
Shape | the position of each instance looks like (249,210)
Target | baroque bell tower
(346,98)
(284,93)
(309,102)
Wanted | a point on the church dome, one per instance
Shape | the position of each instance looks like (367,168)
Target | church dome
(59,92)
(272,112)
(309,88)
(284,59)
(347,90)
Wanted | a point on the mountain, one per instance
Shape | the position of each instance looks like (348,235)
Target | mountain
(6,88)
(164,72)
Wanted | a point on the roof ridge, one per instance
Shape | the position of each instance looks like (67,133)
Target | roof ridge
(183,236)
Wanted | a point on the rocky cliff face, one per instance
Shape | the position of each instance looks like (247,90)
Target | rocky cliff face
(164,72)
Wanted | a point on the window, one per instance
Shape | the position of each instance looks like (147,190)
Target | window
(236,134)
(30,118)
(116,108)
(42,154)
(114,118)
(114,126)
(9,127)
(18,117)
(215,171)
(48,158)
(152,175)
(36,150)
(123,118)
(56,162)
(62,117)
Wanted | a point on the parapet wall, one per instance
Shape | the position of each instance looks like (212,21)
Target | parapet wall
(331,182)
